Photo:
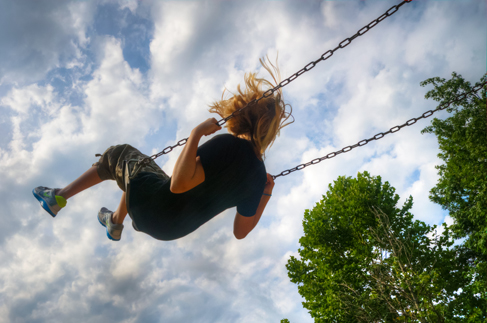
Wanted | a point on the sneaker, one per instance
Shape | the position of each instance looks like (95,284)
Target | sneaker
(114,230)
(50,202)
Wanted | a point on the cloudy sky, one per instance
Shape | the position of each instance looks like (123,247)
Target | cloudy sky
(79,76)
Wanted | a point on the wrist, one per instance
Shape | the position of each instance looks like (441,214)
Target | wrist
(196,133)
(267,191)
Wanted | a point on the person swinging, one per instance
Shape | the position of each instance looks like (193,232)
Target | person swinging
(227,171)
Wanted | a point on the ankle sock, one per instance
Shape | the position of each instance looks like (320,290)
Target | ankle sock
(61,201)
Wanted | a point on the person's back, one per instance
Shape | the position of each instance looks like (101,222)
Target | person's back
(234,176)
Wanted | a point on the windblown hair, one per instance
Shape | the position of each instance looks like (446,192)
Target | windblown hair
(261,122)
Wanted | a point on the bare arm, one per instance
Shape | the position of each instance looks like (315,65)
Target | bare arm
(242,224)
(188,171)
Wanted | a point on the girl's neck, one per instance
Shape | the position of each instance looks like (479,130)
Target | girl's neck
(246,137)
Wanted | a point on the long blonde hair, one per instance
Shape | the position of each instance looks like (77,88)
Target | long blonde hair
(261,122)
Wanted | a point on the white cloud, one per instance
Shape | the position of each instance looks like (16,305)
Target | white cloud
(117,107)
(22,100)
(116,111)
(38,38)
(171,36)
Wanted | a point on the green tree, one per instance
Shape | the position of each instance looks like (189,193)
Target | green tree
(363,259)
(462,186)
(462,139)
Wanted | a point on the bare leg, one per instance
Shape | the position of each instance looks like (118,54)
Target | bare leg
(121,212)
(87,180)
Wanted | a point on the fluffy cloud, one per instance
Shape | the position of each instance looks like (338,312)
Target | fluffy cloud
(37,37)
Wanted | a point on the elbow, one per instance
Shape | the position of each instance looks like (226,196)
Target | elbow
(239,236)
(175,189)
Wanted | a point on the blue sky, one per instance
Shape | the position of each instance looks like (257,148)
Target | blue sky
(79,76)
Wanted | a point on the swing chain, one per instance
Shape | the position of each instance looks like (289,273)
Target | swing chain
(285,82)
(381,135)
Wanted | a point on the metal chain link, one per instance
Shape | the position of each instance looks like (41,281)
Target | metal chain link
(380,135)
(308,67)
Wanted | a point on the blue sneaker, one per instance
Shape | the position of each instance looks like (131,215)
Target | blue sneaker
(50,202)
(114,230)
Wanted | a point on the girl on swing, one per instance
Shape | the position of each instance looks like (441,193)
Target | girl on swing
(224,172)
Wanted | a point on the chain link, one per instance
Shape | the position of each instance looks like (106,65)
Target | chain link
(308,67)
(380,135)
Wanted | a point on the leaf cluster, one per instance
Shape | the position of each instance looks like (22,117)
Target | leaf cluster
(462,186)
(462,139)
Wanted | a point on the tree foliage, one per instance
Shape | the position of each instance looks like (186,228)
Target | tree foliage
(462,186)
(363,258)
(462,139)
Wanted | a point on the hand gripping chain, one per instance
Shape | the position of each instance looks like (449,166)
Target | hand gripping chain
(380,135)
(268,93)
